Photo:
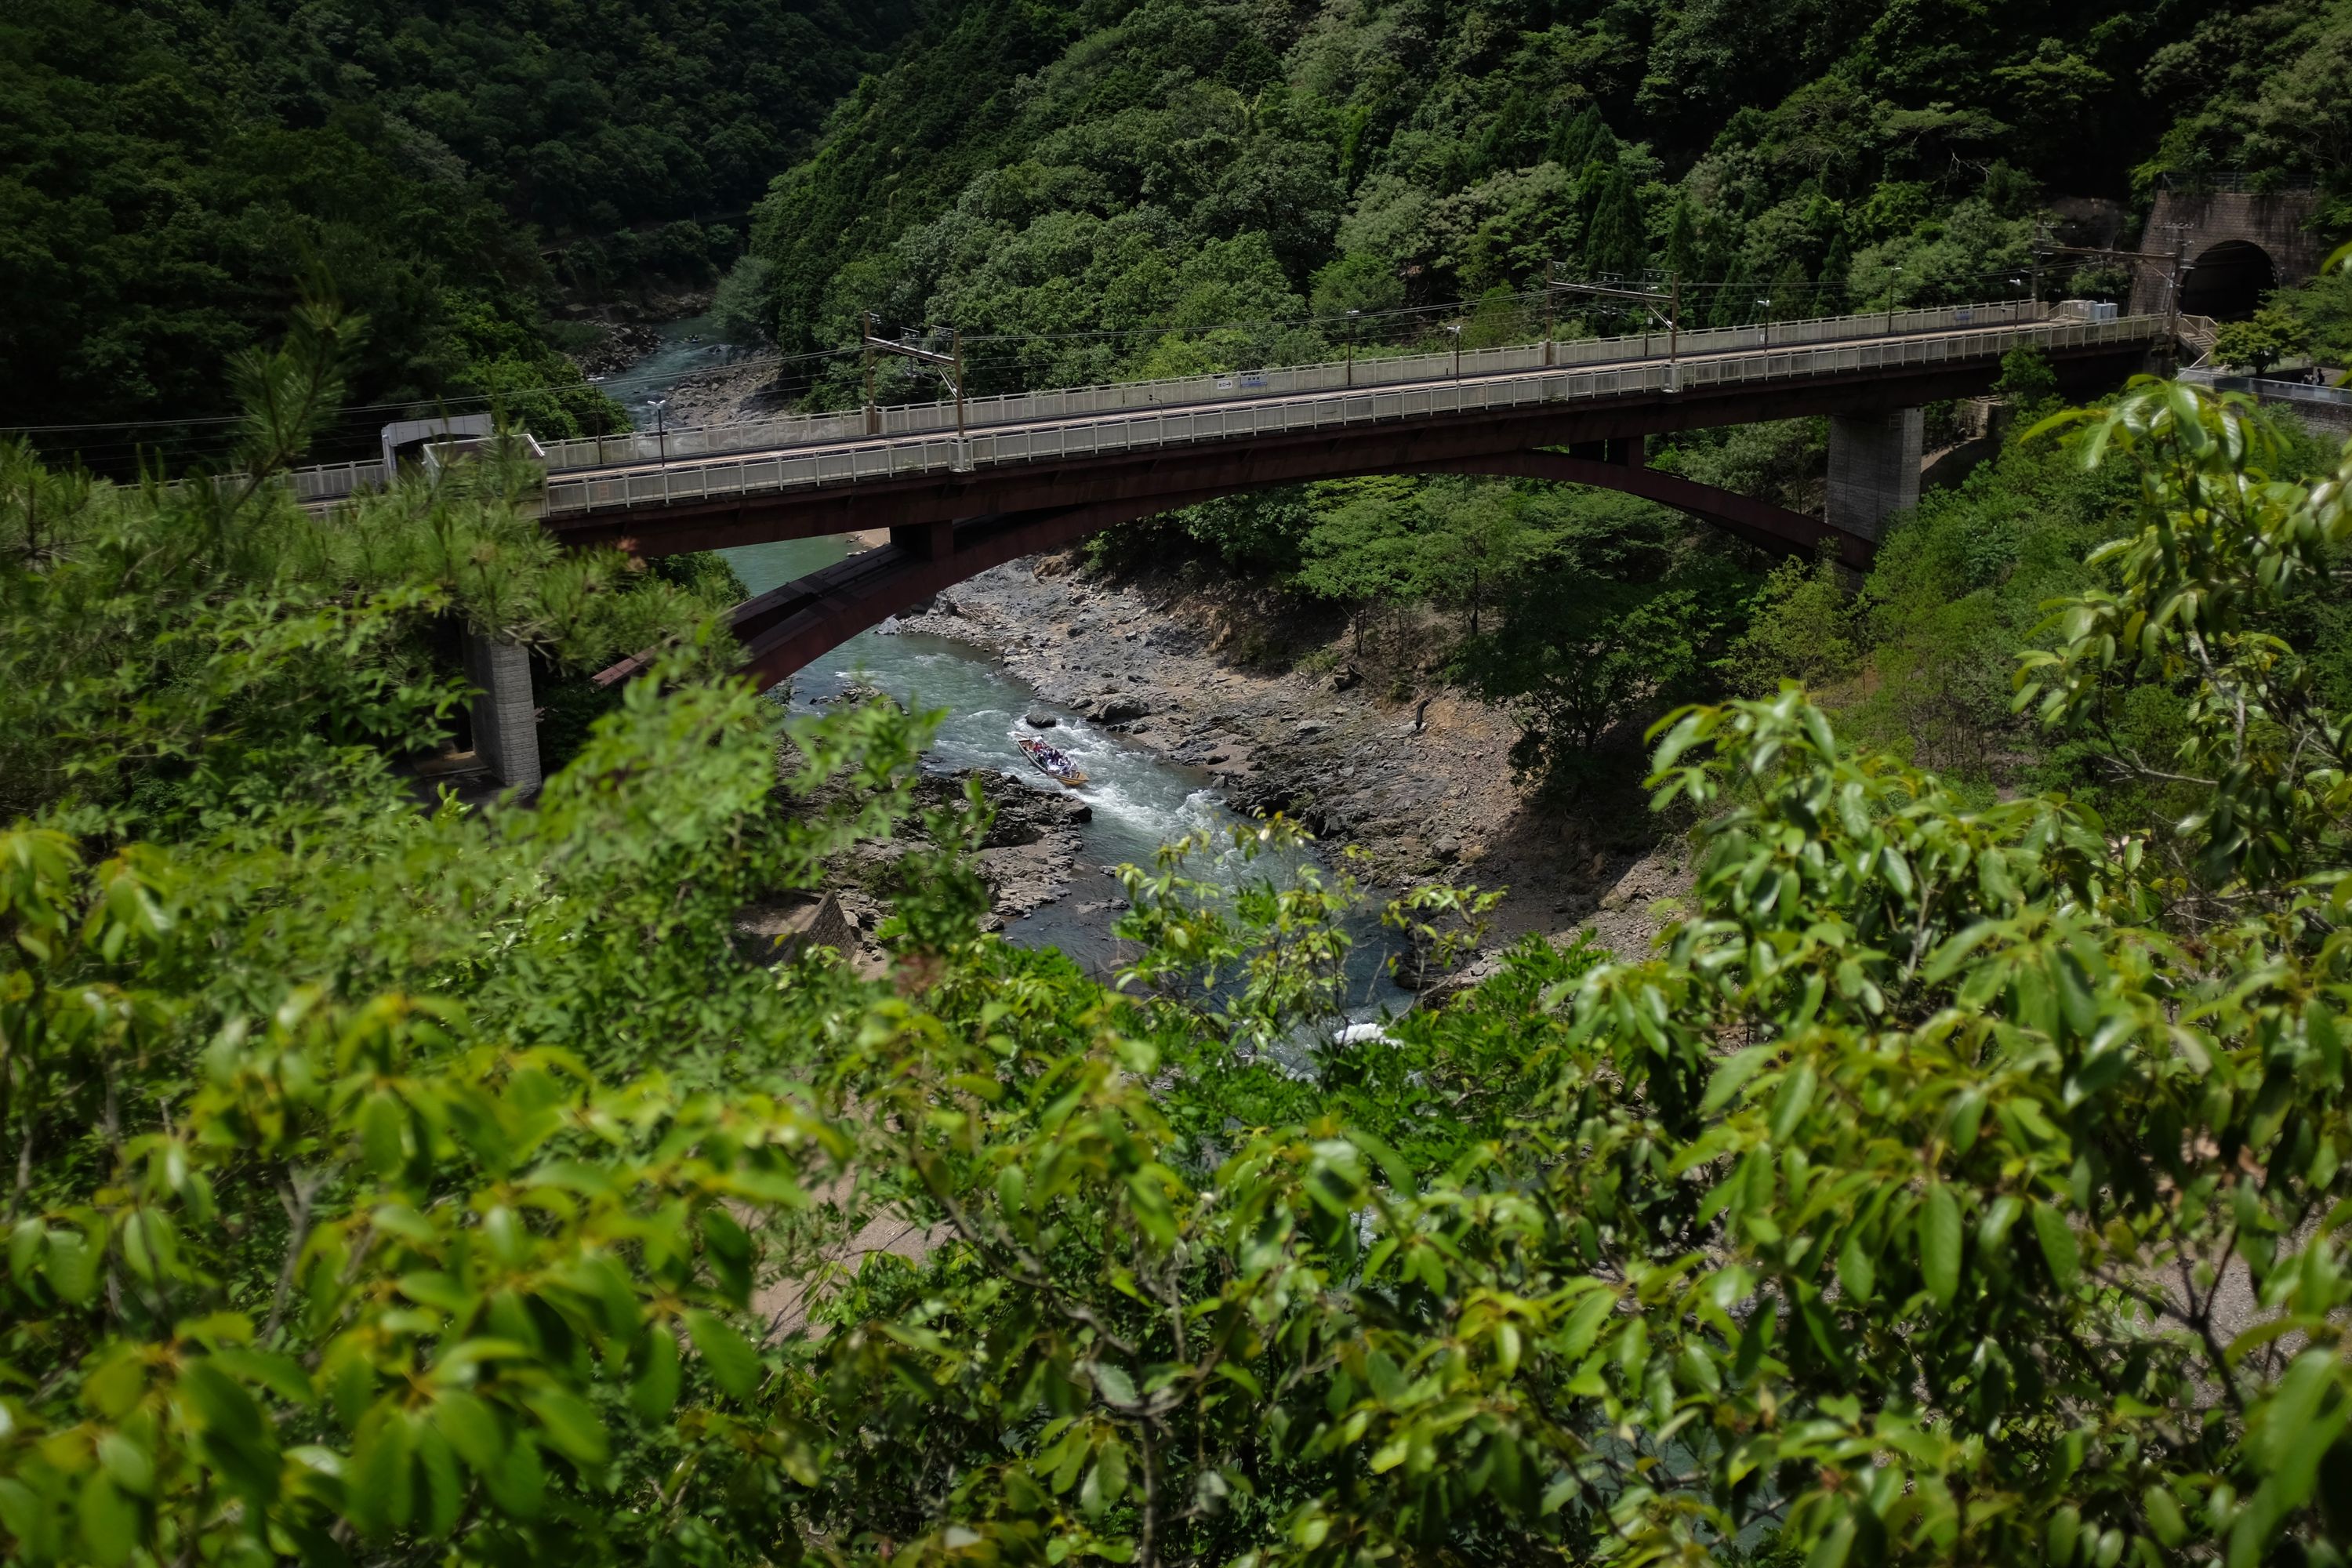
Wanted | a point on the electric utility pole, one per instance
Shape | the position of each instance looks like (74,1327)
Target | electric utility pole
(2131,261)
(950,363)
(2172,288)
(1649,299)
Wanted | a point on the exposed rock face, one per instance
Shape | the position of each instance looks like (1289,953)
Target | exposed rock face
(1031,848)
(774,933)
(624,343)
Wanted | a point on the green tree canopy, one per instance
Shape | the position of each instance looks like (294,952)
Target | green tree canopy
(447,1183)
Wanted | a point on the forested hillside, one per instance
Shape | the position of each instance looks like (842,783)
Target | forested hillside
(172,177)
(1114,167)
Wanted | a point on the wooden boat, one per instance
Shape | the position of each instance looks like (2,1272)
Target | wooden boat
(1050,760)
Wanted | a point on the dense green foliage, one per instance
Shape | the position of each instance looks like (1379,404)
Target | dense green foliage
(172,179)
(1138,169)
(210,652)
(1961,1177)
(1955,1183)
(2263,92)
(1163,187)
(2312,320)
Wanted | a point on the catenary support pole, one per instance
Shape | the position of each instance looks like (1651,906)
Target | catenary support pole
(873,413)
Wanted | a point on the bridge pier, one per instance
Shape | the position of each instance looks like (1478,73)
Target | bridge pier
(505,718)
(1873,468)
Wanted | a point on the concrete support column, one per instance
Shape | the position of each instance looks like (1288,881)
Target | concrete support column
(1873,468)
(505,718)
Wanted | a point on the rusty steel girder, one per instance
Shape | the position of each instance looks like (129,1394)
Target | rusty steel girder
(788,626)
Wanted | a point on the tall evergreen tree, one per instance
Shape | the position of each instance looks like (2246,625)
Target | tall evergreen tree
(1583,140)
(1682,243)
(1834,267)
(1735,301)
(1615,239)
(1792,293)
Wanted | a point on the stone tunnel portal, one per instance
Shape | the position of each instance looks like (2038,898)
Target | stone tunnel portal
(2227,280)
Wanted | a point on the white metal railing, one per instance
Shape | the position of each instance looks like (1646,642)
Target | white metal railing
(331,480)
(2268,389)
(884,457)
(325,481)
(1238,387)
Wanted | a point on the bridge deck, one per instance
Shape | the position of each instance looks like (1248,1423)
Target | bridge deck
(955,507)
(865,460)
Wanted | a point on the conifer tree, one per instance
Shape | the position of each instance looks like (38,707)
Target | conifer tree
(1614,240)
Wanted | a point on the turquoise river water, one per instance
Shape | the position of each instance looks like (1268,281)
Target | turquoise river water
(1140,800)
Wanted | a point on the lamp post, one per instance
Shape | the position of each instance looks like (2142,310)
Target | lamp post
(1674,320)
(1549,312)
(1352,346)
(1894,282)
(951,363)
(1454,330)
(661,426)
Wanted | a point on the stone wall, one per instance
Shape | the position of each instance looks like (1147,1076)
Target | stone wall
(2276,223)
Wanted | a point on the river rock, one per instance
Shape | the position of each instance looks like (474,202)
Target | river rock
(1119,709)
(774,933)
(1040,721)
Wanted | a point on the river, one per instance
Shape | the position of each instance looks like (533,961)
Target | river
(1140,800)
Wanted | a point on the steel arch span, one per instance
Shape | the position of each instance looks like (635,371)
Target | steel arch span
(784,629)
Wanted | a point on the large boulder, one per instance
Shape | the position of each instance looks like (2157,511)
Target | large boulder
(1120,709)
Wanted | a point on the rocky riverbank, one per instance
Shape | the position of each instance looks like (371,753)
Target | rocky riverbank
(1416,776)
(1028,858)
(725,394)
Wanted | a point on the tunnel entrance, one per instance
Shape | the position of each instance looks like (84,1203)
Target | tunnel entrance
(2228,281)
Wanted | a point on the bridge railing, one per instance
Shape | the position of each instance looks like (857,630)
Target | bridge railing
(885,458)
(330,481)
(324,481)
(2268,389)
(1236,386)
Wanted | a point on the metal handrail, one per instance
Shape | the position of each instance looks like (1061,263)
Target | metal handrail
(334,481)
(1233,386)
